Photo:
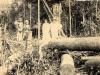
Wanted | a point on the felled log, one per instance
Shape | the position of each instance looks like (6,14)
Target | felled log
(74,44)
(90,58)
(92,63)
(67,65)
(92,66)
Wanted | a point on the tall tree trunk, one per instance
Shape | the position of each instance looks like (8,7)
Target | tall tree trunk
(38,19)
(48,8)
(70,27)
(96,7)
(30,13)
(83,16)
(60,11)
(48,14)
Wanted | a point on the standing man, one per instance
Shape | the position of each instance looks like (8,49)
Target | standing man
(46,31)
(27,32)
(56,29)
(27,36)
(19,25)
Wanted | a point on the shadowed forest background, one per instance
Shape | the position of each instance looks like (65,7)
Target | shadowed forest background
(85,16)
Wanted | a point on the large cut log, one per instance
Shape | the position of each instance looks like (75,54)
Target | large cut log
(90,58)
(93,63)
(67,65)
(74,44)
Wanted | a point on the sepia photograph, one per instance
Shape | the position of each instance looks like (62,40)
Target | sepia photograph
(49,37)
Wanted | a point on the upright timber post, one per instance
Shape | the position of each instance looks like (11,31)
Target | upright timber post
(38,19)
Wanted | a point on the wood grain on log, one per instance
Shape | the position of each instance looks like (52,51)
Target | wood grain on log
(67,65)
(90,58)
(74,44)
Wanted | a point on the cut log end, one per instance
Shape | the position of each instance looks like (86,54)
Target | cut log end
(67,65)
